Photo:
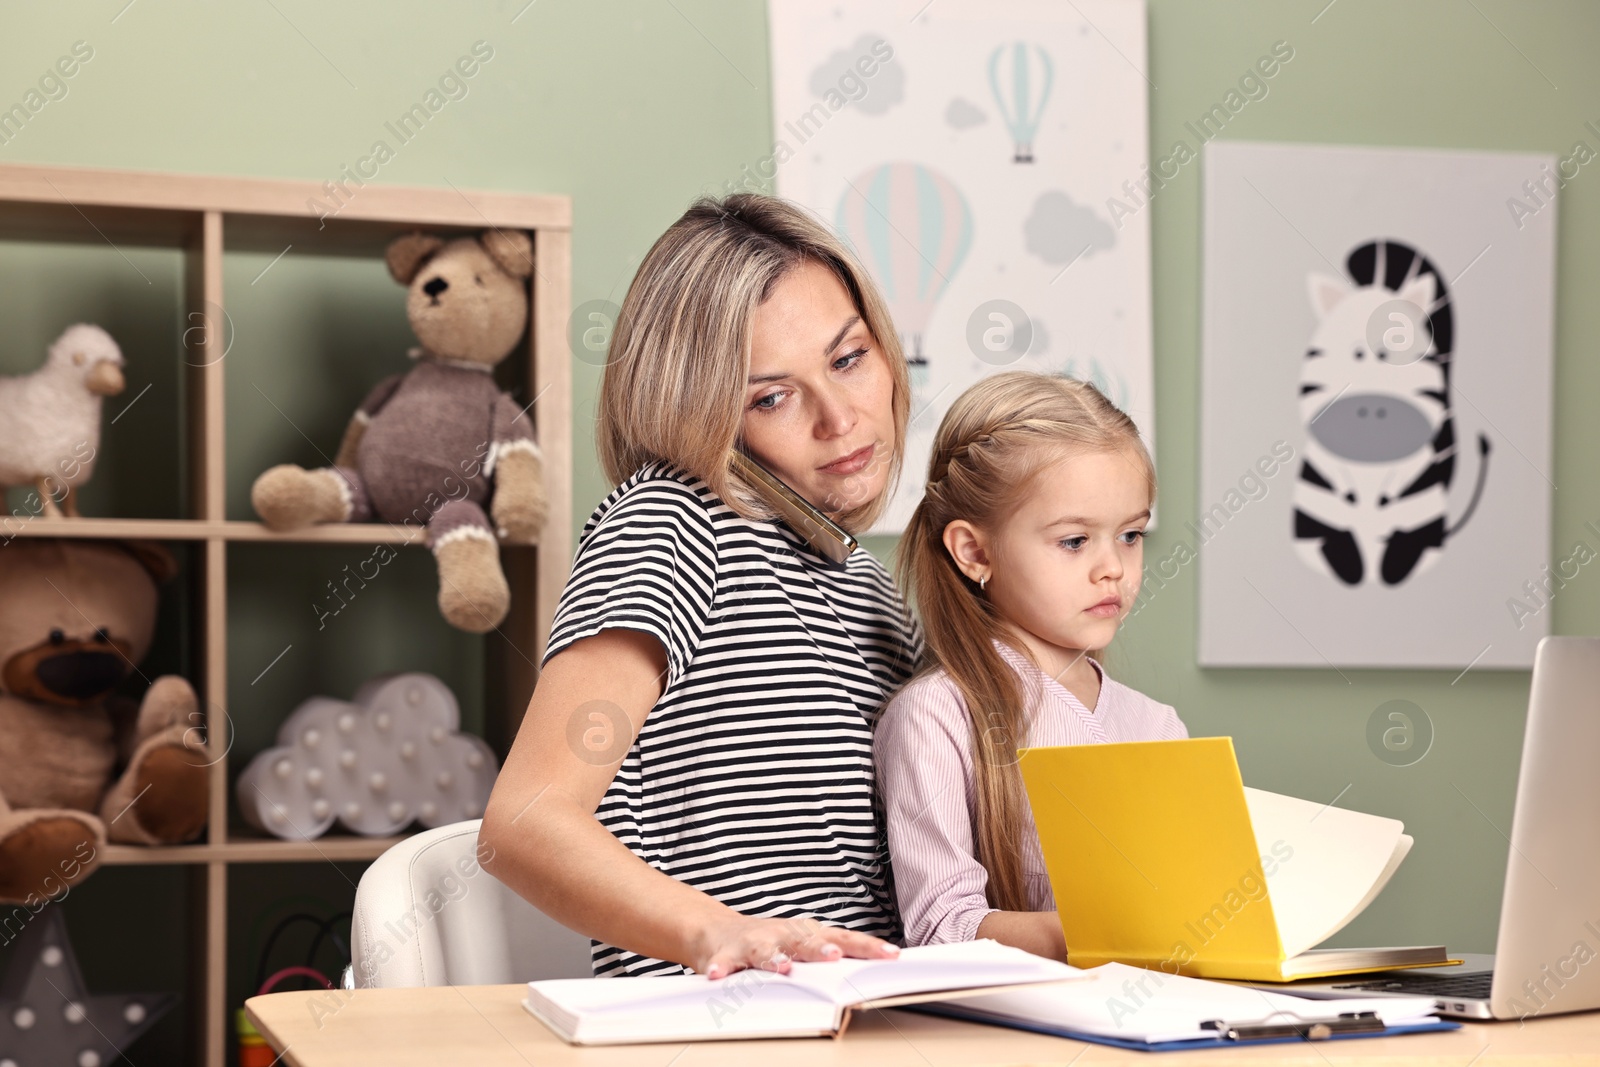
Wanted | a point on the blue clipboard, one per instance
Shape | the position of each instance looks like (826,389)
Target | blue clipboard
(952,1012)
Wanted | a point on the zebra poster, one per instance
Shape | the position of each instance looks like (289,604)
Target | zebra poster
(1375,406)
(986,160)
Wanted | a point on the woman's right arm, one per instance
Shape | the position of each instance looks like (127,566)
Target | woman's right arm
(544,842)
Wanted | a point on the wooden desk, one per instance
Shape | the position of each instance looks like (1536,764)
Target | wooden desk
(486,1026)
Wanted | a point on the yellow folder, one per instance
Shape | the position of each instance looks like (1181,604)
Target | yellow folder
(1155,862)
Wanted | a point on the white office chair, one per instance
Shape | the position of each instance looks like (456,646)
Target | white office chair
(427,915)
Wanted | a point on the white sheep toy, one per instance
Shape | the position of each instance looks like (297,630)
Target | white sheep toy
(50,419)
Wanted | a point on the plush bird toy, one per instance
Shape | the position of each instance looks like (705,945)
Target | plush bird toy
(50,419)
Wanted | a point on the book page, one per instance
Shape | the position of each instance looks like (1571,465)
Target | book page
(928,969)
(1325,863)
(1402,848)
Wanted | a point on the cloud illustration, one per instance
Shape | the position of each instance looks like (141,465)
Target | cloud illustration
(842,73)
(1059,231)
(964,114)
(393,755)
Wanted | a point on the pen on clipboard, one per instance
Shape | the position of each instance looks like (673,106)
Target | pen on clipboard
(1355,1022)
(826,536)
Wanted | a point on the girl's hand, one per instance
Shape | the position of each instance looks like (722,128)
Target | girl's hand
(773,944)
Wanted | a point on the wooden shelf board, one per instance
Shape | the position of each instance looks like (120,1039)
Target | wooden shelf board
(169,204)
(366,533)
(336,849)
(203,530)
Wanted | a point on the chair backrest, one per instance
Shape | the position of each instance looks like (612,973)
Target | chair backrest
(427,914)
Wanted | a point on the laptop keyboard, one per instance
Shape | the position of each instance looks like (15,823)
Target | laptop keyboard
(1473,986)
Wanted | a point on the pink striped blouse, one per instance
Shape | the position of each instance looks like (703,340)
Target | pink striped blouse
(923,751)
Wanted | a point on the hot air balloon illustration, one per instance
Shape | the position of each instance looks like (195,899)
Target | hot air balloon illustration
(912,228)
(1020,80)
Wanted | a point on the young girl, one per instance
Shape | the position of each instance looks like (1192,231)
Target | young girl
(1023,558)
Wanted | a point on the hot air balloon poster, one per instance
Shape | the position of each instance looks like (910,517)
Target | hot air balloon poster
(967,152)
(1375,409)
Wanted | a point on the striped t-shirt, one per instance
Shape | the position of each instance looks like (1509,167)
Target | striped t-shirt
(752,778)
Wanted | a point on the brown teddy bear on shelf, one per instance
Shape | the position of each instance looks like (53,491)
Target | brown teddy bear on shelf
(435,445)
(80,764)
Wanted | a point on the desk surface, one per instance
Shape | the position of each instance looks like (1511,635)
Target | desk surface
(486,1026)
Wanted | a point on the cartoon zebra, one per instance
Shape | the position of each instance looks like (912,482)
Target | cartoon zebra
(1380,452)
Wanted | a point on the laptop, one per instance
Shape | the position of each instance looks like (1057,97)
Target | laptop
(1547,957)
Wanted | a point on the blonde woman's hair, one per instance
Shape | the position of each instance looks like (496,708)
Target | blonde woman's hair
(674,385)
(990,449)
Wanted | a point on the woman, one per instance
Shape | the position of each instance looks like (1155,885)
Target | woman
(692,785)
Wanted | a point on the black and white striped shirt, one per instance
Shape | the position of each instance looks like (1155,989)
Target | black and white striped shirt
(752,778)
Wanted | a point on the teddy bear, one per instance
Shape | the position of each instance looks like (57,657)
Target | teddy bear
(437,445)
(80,764)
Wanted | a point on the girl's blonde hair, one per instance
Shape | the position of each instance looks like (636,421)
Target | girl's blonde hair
(674,385)
(990,449)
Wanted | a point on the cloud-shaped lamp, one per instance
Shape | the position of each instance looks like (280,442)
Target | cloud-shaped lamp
(393,755)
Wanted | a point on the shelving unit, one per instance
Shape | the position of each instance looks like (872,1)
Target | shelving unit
(206,218)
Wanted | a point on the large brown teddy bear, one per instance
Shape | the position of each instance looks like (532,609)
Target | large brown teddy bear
(79,763)
(434,446)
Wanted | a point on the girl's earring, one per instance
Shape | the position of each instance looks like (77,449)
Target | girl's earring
(982,582)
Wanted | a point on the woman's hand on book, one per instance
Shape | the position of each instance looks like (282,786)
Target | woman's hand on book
(741,942)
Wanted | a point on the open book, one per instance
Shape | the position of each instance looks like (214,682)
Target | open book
(1160,857)
(813,999)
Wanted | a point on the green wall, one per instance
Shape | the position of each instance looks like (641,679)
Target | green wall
(1438,74)
(632,109)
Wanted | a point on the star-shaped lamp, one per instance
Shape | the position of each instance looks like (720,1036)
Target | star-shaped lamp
(47,1019)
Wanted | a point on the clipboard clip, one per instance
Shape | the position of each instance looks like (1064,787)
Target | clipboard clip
(1353,1022)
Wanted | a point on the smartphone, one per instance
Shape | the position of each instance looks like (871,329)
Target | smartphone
(823,534)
